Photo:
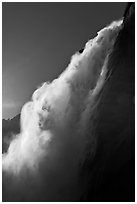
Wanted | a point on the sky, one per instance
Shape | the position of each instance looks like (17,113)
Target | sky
(38,40)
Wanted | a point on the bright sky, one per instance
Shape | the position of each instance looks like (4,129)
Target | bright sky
(39,39)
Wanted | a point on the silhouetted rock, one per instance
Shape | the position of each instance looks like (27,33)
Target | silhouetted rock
(80,51)
(110,176)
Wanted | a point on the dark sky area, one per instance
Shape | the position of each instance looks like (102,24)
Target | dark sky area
(38,40)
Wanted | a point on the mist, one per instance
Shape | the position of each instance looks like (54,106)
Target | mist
(57,127)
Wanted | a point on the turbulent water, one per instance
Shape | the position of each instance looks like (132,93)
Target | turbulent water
(57,126)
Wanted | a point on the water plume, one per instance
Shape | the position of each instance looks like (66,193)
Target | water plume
(57,127)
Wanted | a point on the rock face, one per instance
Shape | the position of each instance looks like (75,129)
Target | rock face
(111,174)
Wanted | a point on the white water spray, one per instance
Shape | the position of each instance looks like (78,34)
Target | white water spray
(42,162)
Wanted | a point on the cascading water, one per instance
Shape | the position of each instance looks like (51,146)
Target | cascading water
(42,162)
